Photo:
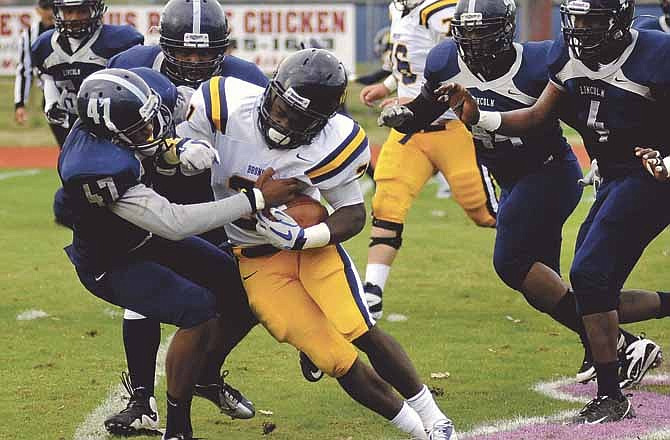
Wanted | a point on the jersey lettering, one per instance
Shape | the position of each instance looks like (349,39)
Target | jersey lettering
(593,123)
(104,194)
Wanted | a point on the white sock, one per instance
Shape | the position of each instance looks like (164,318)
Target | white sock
(377,274)
(424,404)
(442,181)
(407,420)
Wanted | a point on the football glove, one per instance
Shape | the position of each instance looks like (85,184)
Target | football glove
(58,116)
(394,116)
(191,156)
(592,177)
(283,232)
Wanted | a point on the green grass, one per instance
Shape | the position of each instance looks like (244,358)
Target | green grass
(58,369)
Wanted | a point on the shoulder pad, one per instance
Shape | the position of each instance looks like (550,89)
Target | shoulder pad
(41,48)
(214,97)
(244,70)
(136,56)
(428,9)
(160,83)
(114,39)
(352,146)
(442,62)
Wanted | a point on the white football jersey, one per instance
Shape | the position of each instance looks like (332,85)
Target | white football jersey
(413,35)
(225,112)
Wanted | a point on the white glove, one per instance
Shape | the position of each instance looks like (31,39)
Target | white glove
(196,156)
(58,116)
(283,232)
(182,106)
(592,177)
(394,116)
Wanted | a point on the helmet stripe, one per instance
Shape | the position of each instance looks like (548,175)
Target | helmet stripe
(196,16)
(471,5)
(120,81)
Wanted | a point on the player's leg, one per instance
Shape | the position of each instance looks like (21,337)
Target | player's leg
(331,279)
(621,228)
(281,303)
(452,152)
(402,170)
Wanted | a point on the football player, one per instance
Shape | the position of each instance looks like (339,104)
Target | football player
(78,46)
(406,162)
(301,284)
(537,169)
(194,38)
(661,23)
(382,49)
(131,246)
(612,84)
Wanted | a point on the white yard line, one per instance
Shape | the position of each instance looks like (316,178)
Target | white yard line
(92,428)
(22,173)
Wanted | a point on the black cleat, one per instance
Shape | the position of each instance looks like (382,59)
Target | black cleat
(229,400)
(604,409)
(140,417)
(373,296)
(310,372)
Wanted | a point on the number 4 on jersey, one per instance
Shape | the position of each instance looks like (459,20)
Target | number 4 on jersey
(98,108)
(103,192)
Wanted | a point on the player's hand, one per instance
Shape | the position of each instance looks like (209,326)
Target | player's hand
(282,231)
(276,191)
(394,116)
(20,115)
(373,93)
(460,101)
(592,177)
(196,156)
(653,162)
(57,116)
(395,101)
(182,105)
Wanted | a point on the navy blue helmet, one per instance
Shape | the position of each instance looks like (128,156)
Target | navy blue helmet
(596,29)
(78,28)
(382,45)
(118,105)
(483,30)
(665,5)
(305,92)
(194,36)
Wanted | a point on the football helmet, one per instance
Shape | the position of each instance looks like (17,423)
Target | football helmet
(665,5)
(78,28)
(118,105)
(405,6)
(194,37)
(382,43)
(306,90)
(484,32)
(596,30)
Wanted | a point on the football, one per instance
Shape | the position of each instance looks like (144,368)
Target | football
(306,211)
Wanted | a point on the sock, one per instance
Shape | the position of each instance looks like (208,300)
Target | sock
(665,304)
(377,274)
(407,420)
(424,404)
(565,312)
(178,417)
(629,337)
(141,338)
(608,380)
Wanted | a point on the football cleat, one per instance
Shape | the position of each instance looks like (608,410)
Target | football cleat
(587,372)
(140,415)
(604,409)
(310,372)
(373,296)
(637,359)
(443,430)
(229,400)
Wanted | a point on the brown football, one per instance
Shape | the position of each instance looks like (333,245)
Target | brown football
(306,211)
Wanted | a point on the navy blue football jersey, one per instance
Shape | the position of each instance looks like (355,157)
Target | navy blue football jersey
(508,158)
(152,56)
(95,173)
(621,106)
(652,24)
(52,56)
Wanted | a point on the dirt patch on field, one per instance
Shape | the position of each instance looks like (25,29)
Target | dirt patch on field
(28,157)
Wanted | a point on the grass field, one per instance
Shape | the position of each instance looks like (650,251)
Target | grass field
(56,370)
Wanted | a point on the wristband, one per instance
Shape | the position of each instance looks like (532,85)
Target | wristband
(256,200)
(489,121)
(260,200)
(666,162)
(317,236)
(391,83)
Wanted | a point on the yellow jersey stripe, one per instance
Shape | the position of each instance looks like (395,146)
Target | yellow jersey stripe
(429,10)
(216,101)
(345,151)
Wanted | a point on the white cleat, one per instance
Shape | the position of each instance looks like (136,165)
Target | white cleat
(443,430)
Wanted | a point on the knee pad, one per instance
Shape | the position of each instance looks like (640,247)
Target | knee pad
(592,292)
(394,242)
(512,271)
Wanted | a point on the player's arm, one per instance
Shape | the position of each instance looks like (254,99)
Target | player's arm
(23,78)
(145,208)
(514,123)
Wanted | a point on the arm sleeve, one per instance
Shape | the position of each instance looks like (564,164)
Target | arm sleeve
(51,94)
(426,109)
(24,70)
(344,195)
(152,212)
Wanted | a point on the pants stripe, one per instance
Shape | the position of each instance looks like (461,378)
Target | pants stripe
(355,286)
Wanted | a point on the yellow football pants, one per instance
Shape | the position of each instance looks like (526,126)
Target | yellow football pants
(406,162)
(312,299)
